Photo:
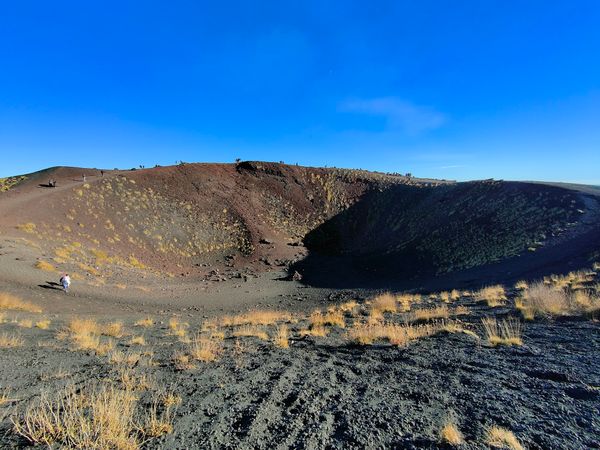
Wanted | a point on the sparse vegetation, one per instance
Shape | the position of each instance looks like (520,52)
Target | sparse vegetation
(332,317)
(507,332)
(400,335)
(10,182)
(146,322)
(281,337)
(9,341)
(503,438)
(492,295)
(12,302)
(205,349)
(94,418)
(28,227)
(183,361)
(547,300)
(137,340)
(439,312)
(251,331)
(113,329)
(257,317)
(43,324)
(450,434)
(85,335)
(45,266)
(25,323)
(521,285)
(384,303)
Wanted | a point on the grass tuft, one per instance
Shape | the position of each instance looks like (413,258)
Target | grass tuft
(492,295)
(94,418)
(146,322)
(281,337)
(508,332)
(503,438)
(450,434)
(45,266)
(251,331)
(205,349)
(14,303)
(10,341)
(43,324)
(383,303)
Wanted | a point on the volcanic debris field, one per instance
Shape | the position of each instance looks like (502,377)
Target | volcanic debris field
(261,305)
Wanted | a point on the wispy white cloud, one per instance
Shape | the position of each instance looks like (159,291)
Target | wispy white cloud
(399,114)
(453,166)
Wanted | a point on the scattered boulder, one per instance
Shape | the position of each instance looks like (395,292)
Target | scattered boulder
(296,276)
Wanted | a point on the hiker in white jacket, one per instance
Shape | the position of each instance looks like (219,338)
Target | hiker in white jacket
(65,281)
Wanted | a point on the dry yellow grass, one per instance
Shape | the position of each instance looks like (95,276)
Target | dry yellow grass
(88,269)
(251,331)
(45,266)
(460,310)
(458,327)
(14,303)
(5,398)
(9,341)
(349,307)
(25,323)
(440,312)
(281,337)
(445,296)
(170,399)
(450,434)
(83,326)
(92,342)
(182,361)
(28,227)
(99,418)
(146,322)
(583,300)
(156,424)
(492,295)
(205,349)
(132,381)
(507,332)
(407,300)
(113,329)
(257,317)
(178,329)
(521,285)
(43,324)
(543,299)
(319,331)
(375,317)
(84,334)
(503,438)
(124,358)
(454,295)
(331,317)
(385,302)
(400,335)
(137,340)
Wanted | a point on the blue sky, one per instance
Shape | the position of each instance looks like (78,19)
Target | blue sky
(456,90)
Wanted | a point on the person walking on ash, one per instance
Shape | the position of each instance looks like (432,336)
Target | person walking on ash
(65,282)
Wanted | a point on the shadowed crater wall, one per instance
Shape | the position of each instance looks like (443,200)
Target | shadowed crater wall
(413,232)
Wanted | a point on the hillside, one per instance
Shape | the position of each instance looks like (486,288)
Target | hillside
(201,220)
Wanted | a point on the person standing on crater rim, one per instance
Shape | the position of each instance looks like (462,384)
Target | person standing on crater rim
(65,281)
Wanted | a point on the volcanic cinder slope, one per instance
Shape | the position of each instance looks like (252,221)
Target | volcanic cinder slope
(358,227)
(187,311)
